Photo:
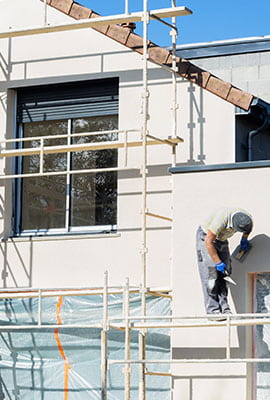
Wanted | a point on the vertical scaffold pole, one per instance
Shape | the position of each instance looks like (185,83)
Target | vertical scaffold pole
(174,108)
(39,307)
(126,7)
(228,347)
(145,95)
(174,105)
(104,358)
(127,340)
(45,12)
(41,158)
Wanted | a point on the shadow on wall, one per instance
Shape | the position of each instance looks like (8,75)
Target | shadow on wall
(16,273)
(195,127)
(258,260)
(196,117)
(262,344)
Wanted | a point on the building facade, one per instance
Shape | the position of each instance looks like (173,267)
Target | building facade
(66,97)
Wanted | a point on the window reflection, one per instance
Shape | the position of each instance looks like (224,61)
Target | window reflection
(44,198)
(93,200)
(89,199)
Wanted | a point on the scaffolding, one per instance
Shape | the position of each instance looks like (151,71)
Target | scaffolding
(128,323)
(8,151)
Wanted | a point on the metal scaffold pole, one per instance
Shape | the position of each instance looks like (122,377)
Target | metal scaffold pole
(104,345)
(145,99)
(126,7)
(174,105)
(45,12)
(126,307)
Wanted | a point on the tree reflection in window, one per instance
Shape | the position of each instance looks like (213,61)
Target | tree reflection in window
(93,196)
(83,200)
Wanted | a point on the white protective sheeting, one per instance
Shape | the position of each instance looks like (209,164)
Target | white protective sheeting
(41,365)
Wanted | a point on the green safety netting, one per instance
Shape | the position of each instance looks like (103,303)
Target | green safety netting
(34,362)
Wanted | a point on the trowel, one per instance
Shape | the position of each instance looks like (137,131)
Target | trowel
(229,280)
(240,254)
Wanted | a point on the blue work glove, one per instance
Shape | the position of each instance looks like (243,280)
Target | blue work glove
(244,244)
(221,267)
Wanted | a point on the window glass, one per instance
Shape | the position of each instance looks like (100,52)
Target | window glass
(93,197)
(44,198)
(70,200)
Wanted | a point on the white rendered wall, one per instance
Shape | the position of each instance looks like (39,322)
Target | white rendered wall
(204,122)
(195,196)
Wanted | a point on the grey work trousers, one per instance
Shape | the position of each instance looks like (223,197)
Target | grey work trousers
(214,287)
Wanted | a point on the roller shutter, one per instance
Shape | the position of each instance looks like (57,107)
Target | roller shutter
(68,100)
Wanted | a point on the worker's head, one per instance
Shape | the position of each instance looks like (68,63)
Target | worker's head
(242,222)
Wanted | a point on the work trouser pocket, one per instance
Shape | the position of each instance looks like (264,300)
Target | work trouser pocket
(199,256)
(212,273)
(212,280)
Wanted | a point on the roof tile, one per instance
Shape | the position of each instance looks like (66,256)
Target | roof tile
(135,42)
(193,73)
(118,33)
(218,87)
(62,5)
(242,99)
(158,54)
(79,12)
(102,29)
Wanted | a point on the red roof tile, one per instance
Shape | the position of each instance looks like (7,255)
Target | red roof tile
(133,41)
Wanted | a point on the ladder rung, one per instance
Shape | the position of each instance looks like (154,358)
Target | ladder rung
(169,141)
(118,328)
(158,216)
(158,373)
(158,294)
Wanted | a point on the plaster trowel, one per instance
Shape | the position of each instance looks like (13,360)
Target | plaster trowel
(240,254)
(229,280)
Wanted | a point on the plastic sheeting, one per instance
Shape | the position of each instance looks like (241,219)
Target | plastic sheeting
(49,364)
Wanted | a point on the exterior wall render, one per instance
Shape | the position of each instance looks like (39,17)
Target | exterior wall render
(209,190)
(77,55)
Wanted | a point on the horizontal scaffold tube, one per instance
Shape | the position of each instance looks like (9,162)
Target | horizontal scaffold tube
(194,361)
(98,21)
(81,147)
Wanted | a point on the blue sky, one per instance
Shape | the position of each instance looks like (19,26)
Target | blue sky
(211,20)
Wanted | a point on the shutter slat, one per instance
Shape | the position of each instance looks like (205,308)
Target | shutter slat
(68,100)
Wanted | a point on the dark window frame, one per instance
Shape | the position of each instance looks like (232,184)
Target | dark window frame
(68,228)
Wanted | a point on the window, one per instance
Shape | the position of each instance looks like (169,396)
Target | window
(67,201)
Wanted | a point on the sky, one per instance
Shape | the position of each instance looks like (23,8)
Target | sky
(211,20)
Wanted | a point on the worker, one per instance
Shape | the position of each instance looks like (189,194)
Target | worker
(214,257)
